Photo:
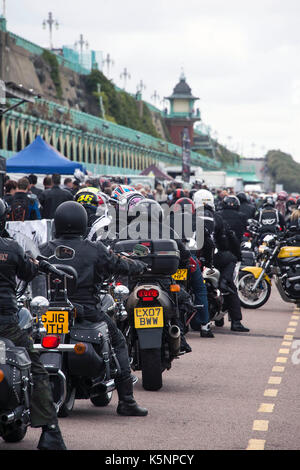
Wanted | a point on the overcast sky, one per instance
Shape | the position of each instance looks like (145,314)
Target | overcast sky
(240,57)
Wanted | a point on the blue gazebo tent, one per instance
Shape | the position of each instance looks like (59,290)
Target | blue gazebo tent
(41,158)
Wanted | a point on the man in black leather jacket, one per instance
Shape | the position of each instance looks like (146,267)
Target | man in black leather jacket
(93,263)
(14,262)
(50,199)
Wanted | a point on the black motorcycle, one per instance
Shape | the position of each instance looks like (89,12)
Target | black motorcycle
(78,356)
(151,329)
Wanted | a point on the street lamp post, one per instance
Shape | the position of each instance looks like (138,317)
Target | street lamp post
(126,76)
(109,63)
(81,43)
(155,97)
(4,8)
(51,22)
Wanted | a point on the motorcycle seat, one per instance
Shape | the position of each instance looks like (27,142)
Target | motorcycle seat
(89,332)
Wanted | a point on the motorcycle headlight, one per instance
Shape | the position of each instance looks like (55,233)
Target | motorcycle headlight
(262,248)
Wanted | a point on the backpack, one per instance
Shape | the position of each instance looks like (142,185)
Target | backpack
(269,220)
(19,209)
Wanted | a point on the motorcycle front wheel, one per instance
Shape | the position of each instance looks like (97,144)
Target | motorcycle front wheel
(255,299)
(151,369)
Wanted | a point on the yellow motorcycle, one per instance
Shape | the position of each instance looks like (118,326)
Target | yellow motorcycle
(279,258)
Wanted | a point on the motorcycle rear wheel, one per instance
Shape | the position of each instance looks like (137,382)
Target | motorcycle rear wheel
(248,300)
(151,369)
(16,435)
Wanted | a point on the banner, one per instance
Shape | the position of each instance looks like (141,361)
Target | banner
(39,231)
(186,155)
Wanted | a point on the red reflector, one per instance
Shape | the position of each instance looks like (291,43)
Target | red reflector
(50,342)
(146,243)
(247,234)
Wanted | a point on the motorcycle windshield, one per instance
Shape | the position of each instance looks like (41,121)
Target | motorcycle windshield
(28,245)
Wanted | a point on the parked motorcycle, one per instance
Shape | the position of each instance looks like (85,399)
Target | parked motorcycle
(151,329)
(79,357)
(16,380)
(280,258)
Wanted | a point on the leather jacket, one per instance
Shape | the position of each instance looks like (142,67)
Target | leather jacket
(13,262)
(93,263)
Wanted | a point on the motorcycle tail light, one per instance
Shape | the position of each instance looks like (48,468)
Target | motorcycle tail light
(147,295)
(50,342)
(1,375)
(247,234)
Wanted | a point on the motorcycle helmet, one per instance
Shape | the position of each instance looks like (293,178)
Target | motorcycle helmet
(268,201)
(203,197)
(120,191)
(149,209)
(3,215)
(282,196)
(231,202)
(93,200)
(184,204)
(242,197)
(291,204)
(70,218)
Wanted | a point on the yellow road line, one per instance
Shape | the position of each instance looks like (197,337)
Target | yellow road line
(278,369)
(271,392)
(284,351)
(282,360)
(266,408)
(260,425)
(275,380)
(256,444)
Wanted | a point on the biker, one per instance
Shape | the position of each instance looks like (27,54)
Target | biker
(185,207)
(281,202)
(146,221)
(231,213)
(291,205)
(93,262)
(14,262)
(246,207)
(228,253)
(270,218)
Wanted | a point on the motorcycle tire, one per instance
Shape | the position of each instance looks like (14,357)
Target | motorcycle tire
(15,435)
(220,323)
(67,407)
(151,369)
(102,399)
(263,299)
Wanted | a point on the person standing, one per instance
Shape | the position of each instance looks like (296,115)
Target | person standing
(50,199)
(33,189)
(24,205)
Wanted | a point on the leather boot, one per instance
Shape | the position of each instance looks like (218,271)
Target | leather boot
(237,326)
(51,438)
(127,405)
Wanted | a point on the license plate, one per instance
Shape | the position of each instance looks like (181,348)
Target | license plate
(148,317)
(180,275)
(56,322)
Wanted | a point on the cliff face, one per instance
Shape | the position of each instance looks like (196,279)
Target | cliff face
(51,77)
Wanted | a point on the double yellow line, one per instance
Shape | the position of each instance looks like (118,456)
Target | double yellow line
(261,426)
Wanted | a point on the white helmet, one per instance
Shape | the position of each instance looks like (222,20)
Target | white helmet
(203,197)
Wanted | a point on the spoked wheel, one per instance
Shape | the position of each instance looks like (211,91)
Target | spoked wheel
(252,299)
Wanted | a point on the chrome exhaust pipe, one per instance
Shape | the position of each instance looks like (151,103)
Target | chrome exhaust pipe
(174,340)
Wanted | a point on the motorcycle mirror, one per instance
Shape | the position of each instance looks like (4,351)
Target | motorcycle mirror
(141,250)
(64,252)
(121,291)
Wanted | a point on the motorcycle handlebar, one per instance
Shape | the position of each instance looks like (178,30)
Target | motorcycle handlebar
(47,268)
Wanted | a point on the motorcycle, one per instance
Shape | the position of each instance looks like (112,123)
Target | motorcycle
(151,328)
(280,258)
(16,383)
(79,357)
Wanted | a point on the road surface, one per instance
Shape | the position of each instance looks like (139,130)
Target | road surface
(234,392)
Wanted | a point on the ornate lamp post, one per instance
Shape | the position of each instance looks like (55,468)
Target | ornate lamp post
(109,63)
(126,76)
(51,22)
(81,43)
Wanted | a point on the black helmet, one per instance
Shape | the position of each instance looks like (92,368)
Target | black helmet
(268,201)
(3,215)
(231,202)
(242,197)
(70,218)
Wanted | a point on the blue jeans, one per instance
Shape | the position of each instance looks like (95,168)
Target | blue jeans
(199,288)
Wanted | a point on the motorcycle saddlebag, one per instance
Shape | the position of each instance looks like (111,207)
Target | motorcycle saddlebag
(90,363)
(16,368)
(163,258)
